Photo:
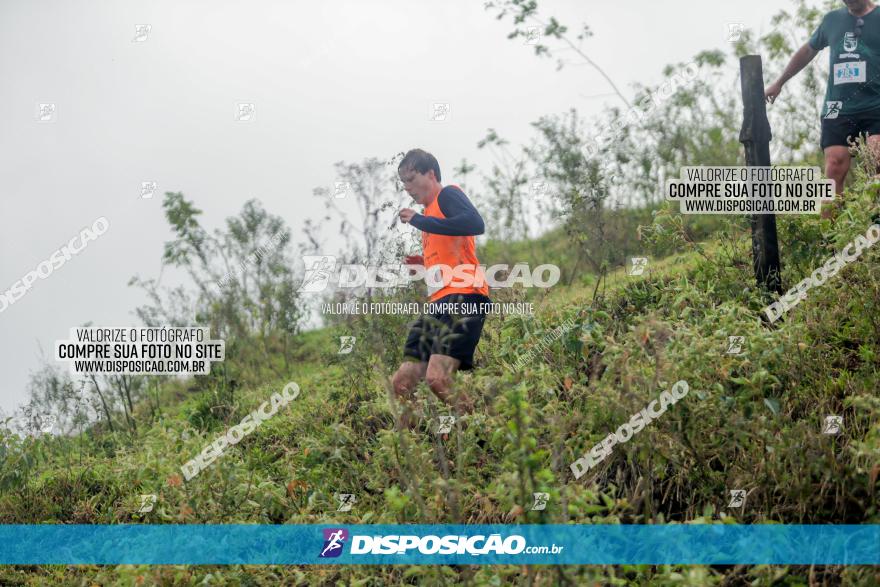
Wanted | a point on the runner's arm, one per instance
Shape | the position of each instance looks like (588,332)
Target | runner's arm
(462,219)
(799,60)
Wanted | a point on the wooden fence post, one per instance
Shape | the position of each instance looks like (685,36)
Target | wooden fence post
(755,137)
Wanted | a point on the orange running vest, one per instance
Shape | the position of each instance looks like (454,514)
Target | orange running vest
(459,253)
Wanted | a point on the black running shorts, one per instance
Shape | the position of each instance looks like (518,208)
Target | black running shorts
(453,329)
(835,131)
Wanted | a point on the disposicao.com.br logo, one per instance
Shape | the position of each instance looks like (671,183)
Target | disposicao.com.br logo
(479,544)
(334,540)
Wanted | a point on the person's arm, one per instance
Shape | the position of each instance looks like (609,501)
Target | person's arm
(818,41)
(799,60)
(462,219)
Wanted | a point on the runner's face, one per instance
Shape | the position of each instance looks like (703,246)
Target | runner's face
(857,5)
(418,185)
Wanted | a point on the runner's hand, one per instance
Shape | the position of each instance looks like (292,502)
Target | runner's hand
(406,215)
(772,91)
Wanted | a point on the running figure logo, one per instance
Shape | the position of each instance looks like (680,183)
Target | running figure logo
(141,32)
(541,500)
(148,188)
(46,113)
(832,425)
(346,345)
(439,112)
(735,31)
(346,500)
(341,189)
(147,503)
(334,539)
(737,498)
(246,112)
(46,423)
(833,108)
(735,344)
(446,423)
(539,189)
(638,265)
(317,274)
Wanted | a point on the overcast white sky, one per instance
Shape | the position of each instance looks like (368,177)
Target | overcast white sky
(335,80)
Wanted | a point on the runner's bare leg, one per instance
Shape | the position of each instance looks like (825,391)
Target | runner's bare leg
(441,368)
(404,383)
(874,146)
(837,161)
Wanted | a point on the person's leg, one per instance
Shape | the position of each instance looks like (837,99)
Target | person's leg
(837,161)
(441,368)
(416,351)
(874,146)
(404,383)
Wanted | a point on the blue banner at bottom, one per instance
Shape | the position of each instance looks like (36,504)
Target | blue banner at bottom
(726,544)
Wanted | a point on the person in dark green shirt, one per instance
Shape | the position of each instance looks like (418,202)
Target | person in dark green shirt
(852,99)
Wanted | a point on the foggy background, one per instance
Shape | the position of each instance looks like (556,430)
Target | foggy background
(331,81)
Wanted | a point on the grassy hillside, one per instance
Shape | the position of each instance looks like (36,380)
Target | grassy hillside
(751,421)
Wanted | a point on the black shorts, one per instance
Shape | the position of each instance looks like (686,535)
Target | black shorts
(835,131)
(446,333)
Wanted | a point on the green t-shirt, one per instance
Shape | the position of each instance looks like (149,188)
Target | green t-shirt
(854,76)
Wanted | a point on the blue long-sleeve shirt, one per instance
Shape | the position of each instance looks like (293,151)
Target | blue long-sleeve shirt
(462,219)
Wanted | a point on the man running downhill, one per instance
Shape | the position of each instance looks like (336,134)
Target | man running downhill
(442,342)
(852,98)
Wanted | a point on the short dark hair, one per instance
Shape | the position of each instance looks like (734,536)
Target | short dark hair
(421,161)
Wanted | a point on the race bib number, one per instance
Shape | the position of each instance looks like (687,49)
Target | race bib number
(850,72)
